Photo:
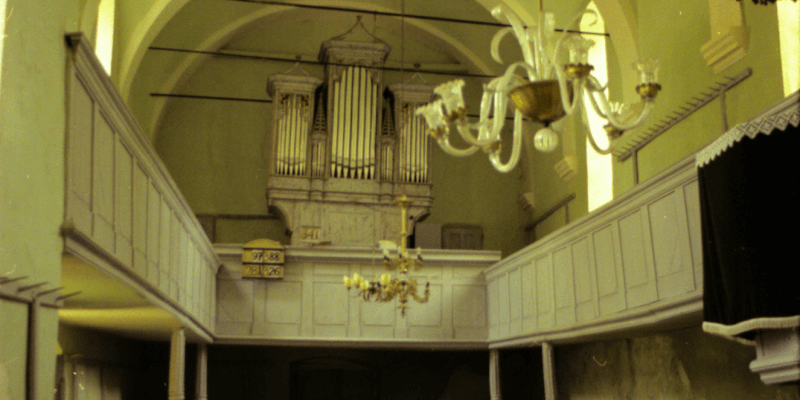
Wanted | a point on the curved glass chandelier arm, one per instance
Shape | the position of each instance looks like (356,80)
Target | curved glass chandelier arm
(604,110)
(597,109)
(495,100)
(494,49)
(519,31)
(494,157)
(592,142)
(444,143)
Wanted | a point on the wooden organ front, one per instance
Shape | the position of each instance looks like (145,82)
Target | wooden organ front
(343,149)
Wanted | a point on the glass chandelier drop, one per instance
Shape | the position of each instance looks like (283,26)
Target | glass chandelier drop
(387,288)
(544,92)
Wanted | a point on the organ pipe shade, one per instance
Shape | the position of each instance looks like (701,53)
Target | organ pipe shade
(354,108)
(292,135)
(413,157)
(293,92)
(413,150)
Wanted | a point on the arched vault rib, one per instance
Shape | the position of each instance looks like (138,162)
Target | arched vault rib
(160,13)
(466,56)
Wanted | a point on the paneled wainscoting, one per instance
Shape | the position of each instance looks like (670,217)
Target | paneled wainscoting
(124,213)
(632,264)
(311,303)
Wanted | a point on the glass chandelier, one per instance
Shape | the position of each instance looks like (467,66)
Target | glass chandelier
(387,288)
(545,92)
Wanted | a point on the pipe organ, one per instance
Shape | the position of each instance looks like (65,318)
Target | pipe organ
(292,92)
(354,115)
(413,157)
(342,150)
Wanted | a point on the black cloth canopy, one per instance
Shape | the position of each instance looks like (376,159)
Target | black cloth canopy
(748,184)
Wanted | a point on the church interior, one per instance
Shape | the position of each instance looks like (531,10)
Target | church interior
(316,199)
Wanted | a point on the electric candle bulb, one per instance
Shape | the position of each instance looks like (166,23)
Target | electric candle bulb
(385,279)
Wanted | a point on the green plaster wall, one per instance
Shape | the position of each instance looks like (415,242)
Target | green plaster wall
(681,364)
(673,32)
(32,125)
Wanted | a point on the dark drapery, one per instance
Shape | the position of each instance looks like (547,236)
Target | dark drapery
(749,210)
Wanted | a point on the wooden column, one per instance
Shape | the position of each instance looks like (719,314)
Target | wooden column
(177,365)
(494,375)
(549,372)
(201,386)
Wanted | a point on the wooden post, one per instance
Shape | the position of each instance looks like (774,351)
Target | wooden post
(494,375)
(550,392)
(201,386)
(177,365)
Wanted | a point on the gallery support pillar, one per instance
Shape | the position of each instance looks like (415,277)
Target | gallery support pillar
(177,365)
(201,386)
(494,375)
(548,366)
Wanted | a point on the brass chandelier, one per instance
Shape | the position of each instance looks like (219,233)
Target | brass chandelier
(548,90)
(387,288)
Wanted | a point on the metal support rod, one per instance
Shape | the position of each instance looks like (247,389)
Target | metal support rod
(393,14)
(291,60)
(194,96)
(635,161)
(562,203)
(723,112)
(627,149)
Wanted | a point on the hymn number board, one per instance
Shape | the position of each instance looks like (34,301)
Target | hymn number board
(262,258)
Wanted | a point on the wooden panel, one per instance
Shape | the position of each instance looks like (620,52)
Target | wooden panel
(609,285)
(640,285)
(175,281)
(673,258)
(529,317)
(141,188)
(469,306)
(378,314)
(283,300)
(515,301)
(692,201)
(545,309)
(428,314)
(503,304)
(153,222)
(585,294)
(564,286)
(235,301)
(123,202)
(183,271)
(194,289)
(80,159)
(103,183)
(165,220)
(338,270)
(329,299)
(493,306)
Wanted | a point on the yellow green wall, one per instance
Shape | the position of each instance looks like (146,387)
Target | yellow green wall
(674,32)
(32,123)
